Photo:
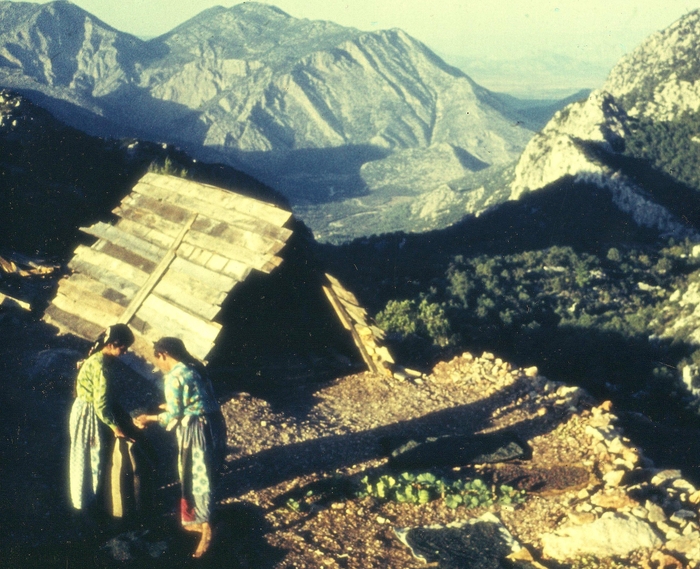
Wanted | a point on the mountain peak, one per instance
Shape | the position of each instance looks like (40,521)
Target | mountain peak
(258,9)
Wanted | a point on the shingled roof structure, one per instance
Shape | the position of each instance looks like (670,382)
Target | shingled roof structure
(164,268)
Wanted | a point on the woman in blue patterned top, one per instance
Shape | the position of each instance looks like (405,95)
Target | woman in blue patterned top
(191,408)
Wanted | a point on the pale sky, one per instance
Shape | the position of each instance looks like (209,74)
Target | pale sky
(594,31)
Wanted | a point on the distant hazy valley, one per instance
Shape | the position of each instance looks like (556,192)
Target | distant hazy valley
(286,101)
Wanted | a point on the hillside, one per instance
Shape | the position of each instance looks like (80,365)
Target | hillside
(280,98)
(292,492)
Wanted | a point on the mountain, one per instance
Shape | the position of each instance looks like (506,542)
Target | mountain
(283,99)
(640,112)
(636,140)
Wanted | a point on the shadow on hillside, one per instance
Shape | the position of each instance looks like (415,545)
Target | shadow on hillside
(580,215)
(680,199)
(310,175)
(326,454)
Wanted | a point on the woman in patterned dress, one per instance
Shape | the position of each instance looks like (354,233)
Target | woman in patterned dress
(93,417)
(192,409)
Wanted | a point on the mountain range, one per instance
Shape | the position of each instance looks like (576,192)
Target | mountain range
(363,132)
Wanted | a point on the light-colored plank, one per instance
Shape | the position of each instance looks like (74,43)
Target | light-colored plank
(220,197)
(104,276)
(176,281)
(256,242)
(186,320)
(246,231)
(120,236)
(341,291)
(213,279)
(163,205)
(83,310)
(156,273)
(358,314)
(230,250)
(125,270)
(148,225)
(181,297)
(153,325)
(8,300)
(84,297)
(271,265)
(344,320)
(85,282)
(124,254)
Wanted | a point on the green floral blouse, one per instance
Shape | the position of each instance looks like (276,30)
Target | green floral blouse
(93,386)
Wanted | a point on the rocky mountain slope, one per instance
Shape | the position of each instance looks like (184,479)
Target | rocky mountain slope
(636,138)
(658,80)
(281,98)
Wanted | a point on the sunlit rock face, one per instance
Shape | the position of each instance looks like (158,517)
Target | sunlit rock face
(557,151)
(659,80)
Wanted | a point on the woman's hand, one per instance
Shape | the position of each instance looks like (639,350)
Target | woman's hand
(142,420)
(118,433)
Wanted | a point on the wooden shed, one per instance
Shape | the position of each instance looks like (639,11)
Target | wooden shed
(175,252)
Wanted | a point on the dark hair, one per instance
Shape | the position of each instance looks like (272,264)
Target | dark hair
(117,334)
(175,348)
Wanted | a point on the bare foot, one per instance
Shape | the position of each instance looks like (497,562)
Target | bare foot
(196,528)
(205,541)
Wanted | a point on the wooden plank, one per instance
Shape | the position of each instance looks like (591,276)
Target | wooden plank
(163,205)
(341,291)
(119,235)
(83,310)
(220,197)
(108,278)
(72,324)
(229,250)
(84,297)
(181,297)
(147,225)
(135,207)
(125,270)
(348,325)
(86,283)
(357,314)
(123,254)
(211,278)
(197,289)
(157,273)
(185,202)
(153,325)
(256,242)
(6,299)
(344,320)
(186,320)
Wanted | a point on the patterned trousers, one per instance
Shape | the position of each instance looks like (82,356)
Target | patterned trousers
(201,442)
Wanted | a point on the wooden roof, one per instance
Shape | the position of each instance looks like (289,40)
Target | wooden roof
(164,268)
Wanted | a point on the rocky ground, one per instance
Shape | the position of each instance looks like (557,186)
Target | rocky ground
(296,459)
